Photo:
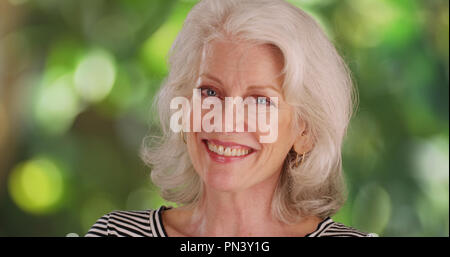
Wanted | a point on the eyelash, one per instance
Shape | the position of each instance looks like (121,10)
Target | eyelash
(205,88)
(268,100)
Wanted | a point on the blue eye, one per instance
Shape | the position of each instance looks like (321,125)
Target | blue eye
(210,92)
(263,100)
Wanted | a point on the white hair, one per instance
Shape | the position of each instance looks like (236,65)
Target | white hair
(317,83)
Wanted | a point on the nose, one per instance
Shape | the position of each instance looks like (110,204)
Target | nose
(238,116)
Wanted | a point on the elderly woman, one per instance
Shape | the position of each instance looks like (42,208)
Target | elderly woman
(230,183)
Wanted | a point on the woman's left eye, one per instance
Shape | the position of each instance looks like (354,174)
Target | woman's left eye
(263,100)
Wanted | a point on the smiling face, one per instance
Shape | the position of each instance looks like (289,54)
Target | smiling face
(235,161)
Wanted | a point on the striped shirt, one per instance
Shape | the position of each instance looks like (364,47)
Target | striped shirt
(148,223)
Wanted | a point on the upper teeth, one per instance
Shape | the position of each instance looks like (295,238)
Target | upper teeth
(227,151)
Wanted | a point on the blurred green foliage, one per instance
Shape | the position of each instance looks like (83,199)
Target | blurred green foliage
(77,78)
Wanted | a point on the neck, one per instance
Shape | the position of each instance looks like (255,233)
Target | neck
(242,213)
(235,214)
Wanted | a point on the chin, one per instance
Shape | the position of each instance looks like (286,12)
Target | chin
(223,180)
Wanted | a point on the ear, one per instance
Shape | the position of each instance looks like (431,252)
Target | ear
(303,143)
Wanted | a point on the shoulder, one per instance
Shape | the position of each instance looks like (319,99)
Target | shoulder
(123,224)
(330,228)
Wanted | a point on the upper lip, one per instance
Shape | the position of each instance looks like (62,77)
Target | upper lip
(229,144)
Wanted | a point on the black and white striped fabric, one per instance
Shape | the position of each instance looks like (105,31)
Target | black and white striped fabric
(148,223)
(329,228)
(129,224)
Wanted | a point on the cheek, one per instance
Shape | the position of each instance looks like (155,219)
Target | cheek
(284,127)
(276,152)
(194,148)
(281,124)
(200,116)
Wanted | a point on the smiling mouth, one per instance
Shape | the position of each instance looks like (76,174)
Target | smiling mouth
(227,149)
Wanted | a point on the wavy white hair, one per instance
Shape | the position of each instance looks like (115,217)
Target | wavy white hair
(317,82)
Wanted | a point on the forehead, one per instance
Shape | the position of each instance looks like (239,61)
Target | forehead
(243,61)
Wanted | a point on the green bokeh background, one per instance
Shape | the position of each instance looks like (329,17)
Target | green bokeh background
(77,78)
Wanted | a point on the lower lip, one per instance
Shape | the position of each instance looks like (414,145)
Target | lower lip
(225,159)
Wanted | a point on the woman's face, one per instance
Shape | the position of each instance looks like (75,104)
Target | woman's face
(234,161)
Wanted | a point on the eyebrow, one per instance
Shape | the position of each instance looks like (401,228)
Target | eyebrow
(209,76)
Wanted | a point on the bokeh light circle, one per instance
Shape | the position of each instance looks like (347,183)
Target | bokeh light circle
(95,76)
(372,209)
(36,186)
(56,105)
